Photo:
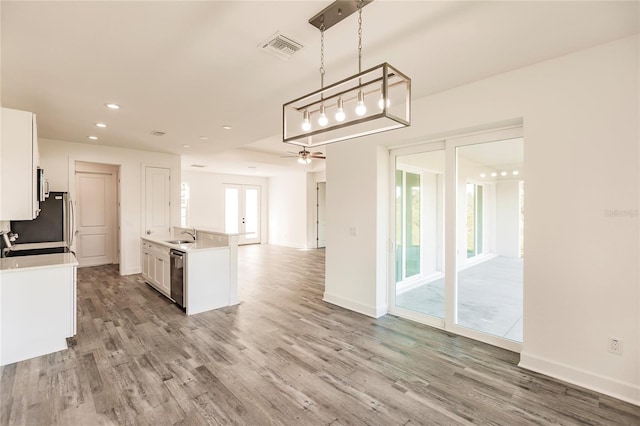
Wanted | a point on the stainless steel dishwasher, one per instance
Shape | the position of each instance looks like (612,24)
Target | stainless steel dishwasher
(176,264)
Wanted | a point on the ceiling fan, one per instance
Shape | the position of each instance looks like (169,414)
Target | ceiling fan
(304,156)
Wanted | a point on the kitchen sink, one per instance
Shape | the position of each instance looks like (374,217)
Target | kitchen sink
(180,241)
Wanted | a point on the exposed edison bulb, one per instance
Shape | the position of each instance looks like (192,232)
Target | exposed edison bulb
(340,116)
(361,109)
(381,101)
(306,124)
(323,120)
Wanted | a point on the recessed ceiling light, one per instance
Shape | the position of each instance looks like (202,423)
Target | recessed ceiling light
(503,173)
(494,174)
(204,138)
(186,146)
(101,125)
(226,127)
(93,138)
(483,175)
(112,106)
(515,173)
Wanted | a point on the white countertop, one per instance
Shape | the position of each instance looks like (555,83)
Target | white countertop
(209,230)
(29,246)
(198,245)
(21,263)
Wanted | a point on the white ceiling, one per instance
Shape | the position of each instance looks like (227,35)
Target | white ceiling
(188,68)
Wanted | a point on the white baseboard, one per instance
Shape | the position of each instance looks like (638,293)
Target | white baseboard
(131,271)
(287,244)
(624,391)
(368,310)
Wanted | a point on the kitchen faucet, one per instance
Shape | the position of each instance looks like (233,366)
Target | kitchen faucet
(193,233)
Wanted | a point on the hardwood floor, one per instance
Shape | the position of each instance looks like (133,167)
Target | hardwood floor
(282,357)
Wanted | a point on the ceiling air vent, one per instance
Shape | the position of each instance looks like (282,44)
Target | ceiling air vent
(280,45)
(157,133)
(200,166)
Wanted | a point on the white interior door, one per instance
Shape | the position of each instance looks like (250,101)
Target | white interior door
(96,218)
(157,200)
(242,212)
(321,224)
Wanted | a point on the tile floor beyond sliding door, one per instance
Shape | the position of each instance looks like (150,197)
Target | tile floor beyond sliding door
(490,297)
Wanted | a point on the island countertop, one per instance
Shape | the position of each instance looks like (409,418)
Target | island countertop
(197,245)
(38,261)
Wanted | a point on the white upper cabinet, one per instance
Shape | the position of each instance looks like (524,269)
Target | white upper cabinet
(19,163)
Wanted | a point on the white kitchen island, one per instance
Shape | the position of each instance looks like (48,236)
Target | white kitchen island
(38,302)
(210,268)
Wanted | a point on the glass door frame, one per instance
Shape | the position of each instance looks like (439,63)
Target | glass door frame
(393,309)
(449,145)
(241,219)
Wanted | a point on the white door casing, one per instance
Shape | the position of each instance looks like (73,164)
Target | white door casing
(96,217)
(321,224)
(157,200)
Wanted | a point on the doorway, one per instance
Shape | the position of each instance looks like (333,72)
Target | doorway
(97,222)
(457,224)
(242,212)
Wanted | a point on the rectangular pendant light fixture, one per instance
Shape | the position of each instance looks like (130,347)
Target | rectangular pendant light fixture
(372,101)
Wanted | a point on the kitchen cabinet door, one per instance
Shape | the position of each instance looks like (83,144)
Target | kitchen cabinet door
(19,157)
(147,261)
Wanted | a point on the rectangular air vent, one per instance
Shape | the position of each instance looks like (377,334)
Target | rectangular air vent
(200,166)
(157,133)
(280,45)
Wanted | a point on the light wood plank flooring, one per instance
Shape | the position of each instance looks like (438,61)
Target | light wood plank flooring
(282,357)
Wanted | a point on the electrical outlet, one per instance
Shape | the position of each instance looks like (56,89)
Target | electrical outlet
(615,345)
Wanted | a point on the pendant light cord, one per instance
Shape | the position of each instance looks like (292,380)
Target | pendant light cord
(359,36)
(322,56)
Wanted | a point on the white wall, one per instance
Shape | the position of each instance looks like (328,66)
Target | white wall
(206,203)
(581,280)
(58,159)
(288,210)
(356,251)
(508,218)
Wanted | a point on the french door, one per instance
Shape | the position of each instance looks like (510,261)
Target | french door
(456,222)
(242,212)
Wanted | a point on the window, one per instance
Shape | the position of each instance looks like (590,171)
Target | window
(184,203)
(475,222)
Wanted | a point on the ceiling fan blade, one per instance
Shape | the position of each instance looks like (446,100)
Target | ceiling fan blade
(317,153)
(289,156)
(318,156)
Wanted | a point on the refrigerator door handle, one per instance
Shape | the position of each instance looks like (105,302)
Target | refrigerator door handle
(73,223)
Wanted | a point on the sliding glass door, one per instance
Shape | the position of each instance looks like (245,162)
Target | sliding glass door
(489,279)
(458,220)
